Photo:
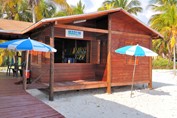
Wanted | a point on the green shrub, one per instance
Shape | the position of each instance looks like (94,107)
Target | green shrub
(161,63)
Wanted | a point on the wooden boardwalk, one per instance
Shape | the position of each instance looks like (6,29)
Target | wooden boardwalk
(17,103)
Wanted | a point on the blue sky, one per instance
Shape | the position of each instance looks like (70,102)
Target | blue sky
(93,5)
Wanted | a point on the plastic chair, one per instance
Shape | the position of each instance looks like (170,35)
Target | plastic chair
(9,68)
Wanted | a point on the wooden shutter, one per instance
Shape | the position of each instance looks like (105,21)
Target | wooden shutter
(95,52)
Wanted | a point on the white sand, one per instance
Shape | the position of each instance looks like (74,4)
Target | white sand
(160,102)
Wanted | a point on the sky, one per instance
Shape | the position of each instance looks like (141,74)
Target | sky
(93,5)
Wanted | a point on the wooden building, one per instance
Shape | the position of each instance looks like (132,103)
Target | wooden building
(86,45)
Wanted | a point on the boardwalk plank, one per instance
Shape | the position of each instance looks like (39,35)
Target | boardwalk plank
(17,103)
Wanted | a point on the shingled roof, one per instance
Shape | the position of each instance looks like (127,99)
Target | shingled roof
(13,26)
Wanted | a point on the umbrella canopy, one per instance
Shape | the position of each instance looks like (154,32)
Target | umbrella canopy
(27,44)
(135,50)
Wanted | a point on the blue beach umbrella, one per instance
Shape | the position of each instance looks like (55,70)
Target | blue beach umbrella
(27,45)
(135,50)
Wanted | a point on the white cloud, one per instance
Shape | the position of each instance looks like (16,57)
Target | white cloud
(146,14)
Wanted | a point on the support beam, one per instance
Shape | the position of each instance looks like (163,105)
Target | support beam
(81,28)
(150,68)
(100,30)
(51,82)
(109,57)
(130,34)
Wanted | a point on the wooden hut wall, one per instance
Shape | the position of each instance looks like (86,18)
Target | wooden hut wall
(40,61)
(62,71)
(100,71)
(73,71)
(125,33)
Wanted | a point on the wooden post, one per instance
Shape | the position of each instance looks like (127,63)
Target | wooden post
(150,68)
(109,57)
(26,69)
(51,82)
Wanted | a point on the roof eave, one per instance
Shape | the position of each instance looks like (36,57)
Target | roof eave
(52,20)
(10,32)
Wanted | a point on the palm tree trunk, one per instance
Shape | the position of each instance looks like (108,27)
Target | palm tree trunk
(174,59)
(33,12)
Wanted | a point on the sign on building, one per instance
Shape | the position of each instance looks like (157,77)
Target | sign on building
(74,33)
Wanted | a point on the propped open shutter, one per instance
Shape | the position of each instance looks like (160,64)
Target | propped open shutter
(95,52)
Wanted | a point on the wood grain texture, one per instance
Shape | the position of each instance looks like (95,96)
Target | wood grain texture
(122,71)
(113,32)
(109,66)
(15,102)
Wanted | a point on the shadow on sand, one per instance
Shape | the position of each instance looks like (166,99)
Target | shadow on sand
(86,104)
(159,85)
(143,88)
(156,89)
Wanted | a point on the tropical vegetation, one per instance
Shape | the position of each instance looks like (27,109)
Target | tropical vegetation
(165,21)
(162,63)
(78,9)
(131,6)
(3,55)
(32,10)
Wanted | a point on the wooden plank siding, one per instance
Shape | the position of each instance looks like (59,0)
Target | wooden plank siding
(122,23)
(122,71)
(76,71)
(17,103)
(114,34)
(70,72)
(101,73)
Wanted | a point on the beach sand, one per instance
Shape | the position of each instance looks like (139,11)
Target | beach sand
(160,102)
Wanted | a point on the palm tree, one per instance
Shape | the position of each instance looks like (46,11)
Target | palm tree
(166,22)
(12,10)
(41,9)
(79,9)
(1,13)
(106,6)
(39,6)
(33,4)
(21,10)
(131,6)
(4,54)
(160,46)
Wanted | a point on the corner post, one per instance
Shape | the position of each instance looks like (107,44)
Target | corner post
(109,57)
(51,81)
(150,67)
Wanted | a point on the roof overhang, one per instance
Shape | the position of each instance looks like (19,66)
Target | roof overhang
(87,16)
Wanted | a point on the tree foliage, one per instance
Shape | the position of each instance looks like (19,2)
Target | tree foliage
(131,6)
(165,21)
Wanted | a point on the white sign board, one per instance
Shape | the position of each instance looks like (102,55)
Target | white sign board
(74,33)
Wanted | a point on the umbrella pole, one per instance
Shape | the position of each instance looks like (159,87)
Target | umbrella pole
(25,77)
(133,77)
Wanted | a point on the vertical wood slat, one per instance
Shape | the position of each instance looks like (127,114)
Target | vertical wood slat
(95,52)
(51,82)
(150,68)
(109,57)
